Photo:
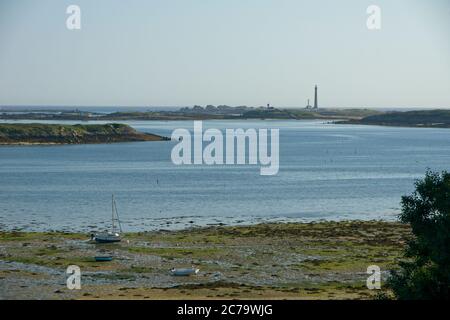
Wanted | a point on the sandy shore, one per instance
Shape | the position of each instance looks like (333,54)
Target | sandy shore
(326,260)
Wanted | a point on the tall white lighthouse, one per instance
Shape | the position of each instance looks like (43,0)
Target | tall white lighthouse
(316,103)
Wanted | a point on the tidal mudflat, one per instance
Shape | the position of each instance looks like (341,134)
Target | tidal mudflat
(322,260)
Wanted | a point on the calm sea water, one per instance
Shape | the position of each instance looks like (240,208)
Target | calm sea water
(327,172)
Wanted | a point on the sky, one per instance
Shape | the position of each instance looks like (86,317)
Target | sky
(234,52)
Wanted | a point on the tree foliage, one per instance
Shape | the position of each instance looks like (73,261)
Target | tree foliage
(425,274)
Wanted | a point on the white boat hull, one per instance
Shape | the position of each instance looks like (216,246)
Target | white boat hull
(184,272)
(107,238)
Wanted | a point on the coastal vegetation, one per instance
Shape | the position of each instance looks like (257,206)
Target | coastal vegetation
(37,133)
(425,272)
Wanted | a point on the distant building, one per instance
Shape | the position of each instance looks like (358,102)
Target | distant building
(197,108)
(210,108)
(308,106)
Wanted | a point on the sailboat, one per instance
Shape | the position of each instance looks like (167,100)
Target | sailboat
(114,234)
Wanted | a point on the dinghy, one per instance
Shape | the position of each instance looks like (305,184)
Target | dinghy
(184,272)
(113,235)
(103,258)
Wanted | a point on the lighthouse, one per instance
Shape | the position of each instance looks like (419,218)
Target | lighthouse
(316,104)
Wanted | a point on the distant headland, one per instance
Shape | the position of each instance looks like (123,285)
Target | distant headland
(420,119)
(38,133)
(209,112)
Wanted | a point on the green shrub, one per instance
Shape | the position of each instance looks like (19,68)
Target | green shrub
(426,272)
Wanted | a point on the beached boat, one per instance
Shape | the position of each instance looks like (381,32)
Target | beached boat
(113,235)
(107,237)
(184,272)
(103,258)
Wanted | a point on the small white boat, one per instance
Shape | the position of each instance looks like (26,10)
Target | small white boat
(113,236)
(184,272)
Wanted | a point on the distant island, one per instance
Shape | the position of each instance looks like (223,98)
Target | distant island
(209,112)
(37,133)
(422,118)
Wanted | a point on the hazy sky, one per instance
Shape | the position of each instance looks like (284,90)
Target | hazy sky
(235,52)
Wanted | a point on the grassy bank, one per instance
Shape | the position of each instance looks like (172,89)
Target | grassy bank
(38,133)
(326,260)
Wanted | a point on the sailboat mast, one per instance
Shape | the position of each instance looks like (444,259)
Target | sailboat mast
(117,217)
(112,214)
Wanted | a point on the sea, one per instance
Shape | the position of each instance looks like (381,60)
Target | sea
(327,172)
